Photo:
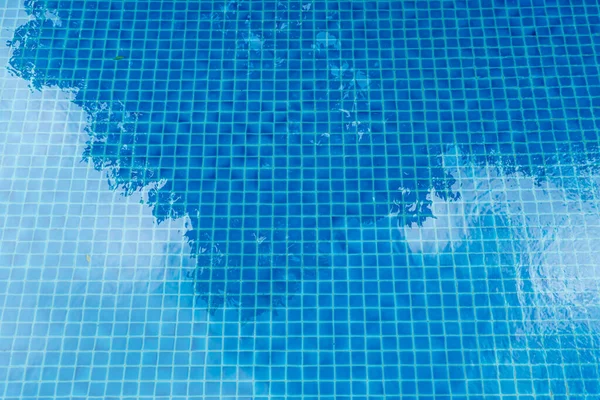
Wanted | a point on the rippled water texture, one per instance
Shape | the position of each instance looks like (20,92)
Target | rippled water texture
(381,199)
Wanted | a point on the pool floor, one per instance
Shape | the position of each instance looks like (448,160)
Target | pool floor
(300,199)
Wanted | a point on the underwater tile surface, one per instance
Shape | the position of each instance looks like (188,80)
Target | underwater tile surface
(300,199)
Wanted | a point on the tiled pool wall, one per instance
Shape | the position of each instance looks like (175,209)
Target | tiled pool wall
(284,199)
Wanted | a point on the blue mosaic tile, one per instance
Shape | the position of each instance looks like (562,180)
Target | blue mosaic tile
(299,199)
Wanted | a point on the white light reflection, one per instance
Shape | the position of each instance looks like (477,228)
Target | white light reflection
(551,227)
(84,271)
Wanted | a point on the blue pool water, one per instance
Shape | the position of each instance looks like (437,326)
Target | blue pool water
(300,199)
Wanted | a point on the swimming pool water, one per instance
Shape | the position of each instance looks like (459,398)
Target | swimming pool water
(300,199)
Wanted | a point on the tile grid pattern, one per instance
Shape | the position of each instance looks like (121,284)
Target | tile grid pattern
(383,321)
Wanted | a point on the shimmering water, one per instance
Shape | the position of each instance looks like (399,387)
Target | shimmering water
(318,199)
